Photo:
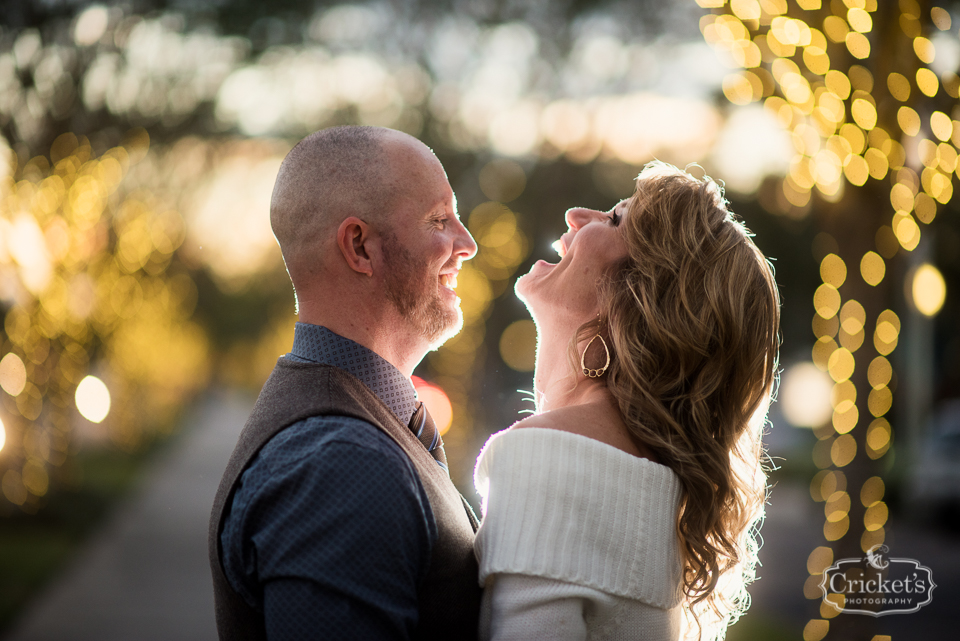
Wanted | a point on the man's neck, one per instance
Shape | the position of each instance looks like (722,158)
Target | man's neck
(378,334)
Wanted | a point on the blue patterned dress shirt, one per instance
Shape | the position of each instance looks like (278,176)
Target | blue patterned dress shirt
(330,530)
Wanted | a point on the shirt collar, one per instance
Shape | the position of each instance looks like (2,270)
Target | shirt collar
(318,344)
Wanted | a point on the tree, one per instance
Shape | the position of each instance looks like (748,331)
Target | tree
(871,102)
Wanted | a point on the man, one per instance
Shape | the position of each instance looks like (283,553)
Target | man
(336,517)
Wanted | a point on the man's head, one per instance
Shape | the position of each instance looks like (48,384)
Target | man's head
(328,176)
(367,211)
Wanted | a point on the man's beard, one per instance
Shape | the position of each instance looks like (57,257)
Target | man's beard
(416,295)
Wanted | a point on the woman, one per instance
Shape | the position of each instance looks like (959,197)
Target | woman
(627,507)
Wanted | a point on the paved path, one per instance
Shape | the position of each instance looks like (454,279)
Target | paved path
(145,575)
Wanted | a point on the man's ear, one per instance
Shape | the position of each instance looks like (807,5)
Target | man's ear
(357,245)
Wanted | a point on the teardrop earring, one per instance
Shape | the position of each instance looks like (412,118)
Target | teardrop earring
(595,373)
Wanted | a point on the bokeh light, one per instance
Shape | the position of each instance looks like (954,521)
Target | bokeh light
(815,630)
(872,268)
(890,137)
(819,560)
(502,180)
(928,289)
(843,450)
(91,25)
(878,438)
(804,395)
(108,242)
(93,399)
(3,435)
(13,374)
(91,273)
(872,491)
(518,345)
(226,224)
(437,402)
(502,246)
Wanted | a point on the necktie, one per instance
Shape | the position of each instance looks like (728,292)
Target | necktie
(423,427)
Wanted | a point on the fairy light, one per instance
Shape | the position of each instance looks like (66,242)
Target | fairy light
(928,290)
(93,399)
(88,252)
(852,130)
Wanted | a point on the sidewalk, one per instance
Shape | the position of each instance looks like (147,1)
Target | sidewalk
(145,575)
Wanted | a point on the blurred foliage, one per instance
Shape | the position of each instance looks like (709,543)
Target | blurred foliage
(90,286)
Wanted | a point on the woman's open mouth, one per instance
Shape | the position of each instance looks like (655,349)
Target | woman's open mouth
(560,247)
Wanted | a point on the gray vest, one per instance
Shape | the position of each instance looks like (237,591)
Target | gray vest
(449,596)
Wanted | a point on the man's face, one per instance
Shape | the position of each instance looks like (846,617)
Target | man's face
(424,244)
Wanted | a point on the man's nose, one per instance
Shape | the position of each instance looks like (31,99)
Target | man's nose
(577,217)
(464,246)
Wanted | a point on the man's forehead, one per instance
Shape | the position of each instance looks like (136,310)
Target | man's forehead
(400,143)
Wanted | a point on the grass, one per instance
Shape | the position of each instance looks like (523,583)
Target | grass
(35,547)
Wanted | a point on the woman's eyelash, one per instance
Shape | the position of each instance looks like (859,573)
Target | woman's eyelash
(615,219)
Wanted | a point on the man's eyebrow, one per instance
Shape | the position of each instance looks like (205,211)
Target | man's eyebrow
(439,208)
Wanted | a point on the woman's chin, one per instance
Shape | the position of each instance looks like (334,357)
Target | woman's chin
(522,287)
(526,292)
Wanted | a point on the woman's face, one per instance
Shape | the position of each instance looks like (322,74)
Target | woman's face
(592,245)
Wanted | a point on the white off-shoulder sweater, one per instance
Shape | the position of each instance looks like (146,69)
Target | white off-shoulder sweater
(578,540)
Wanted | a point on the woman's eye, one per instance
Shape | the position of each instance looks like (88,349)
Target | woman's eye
(615,219)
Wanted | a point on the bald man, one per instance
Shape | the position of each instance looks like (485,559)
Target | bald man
(336,517)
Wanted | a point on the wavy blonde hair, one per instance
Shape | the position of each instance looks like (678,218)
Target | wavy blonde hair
(693,315)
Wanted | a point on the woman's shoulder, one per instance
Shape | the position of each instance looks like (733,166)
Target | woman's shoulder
(566,502)
(537,449)
(592,421)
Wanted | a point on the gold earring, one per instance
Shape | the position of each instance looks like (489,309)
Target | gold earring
(595,373)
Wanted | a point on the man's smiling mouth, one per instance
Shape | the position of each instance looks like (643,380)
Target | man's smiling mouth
(449,280)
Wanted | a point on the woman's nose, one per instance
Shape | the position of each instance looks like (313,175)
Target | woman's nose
(577,217)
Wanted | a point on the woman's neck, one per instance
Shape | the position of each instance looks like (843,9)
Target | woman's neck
(556,382)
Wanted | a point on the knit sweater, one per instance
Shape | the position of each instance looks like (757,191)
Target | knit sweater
(578,540)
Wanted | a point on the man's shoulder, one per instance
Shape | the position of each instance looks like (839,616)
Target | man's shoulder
(314,455)
(331,436)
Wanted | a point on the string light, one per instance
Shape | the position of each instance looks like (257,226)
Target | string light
(847,128)
(87,255)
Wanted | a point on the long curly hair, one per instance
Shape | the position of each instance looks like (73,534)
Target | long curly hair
(693,315)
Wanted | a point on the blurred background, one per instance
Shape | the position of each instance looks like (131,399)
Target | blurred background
(144,300)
